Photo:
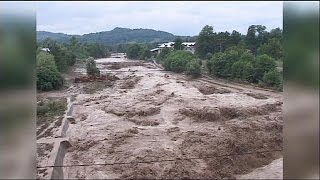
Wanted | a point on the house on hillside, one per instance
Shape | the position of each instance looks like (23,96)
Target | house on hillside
(188,46)
(45,49)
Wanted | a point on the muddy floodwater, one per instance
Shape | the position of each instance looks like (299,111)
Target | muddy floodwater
(151,123)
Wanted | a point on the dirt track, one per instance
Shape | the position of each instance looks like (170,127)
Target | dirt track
(156,124)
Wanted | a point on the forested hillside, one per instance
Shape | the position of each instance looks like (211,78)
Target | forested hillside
(113,37)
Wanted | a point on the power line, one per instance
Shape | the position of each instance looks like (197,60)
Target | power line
(165,160)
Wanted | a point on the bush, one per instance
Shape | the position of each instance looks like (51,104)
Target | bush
(237,69)
(217,64)
(262,64)
(193,68)
(134,51)
(48,76)
(209,56)
(92,67)
(273,79)
(163,54)
(177,60)
(242,70)
(247,57)
(145,53)
(272,48)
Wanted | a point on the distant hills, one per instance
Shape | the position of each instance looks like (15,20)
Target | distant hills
(116,36)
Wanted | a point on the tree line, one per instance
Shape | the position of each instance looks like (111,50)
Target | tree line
(60,57)
(252,58)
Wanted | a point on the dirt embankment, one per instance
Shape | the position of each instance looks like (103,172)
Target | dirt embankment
(50,113)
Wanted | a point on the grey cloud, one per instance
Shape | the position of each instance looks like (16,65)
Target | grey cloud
(180,18)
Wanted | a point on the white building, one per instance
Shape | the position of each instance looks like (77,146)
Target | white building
(45,49)
(188,46)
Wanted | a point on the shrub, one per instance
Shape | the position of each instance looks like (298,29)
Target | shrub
(193,68)
(163,54)
(247,57)
(48,76)
(177,60)
(272,48)
(217,63)
(273,79)
(237,69)
(209,56)
(134,51)
(92,67)
(145,53)
(262,64)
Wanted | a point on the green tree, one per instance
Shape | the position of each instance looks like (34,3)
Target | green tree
(178,44)
(247,57)
(92,67)
(273,79)
(276,33)
(256,35)
(235,38)
(209,56)
(134,51)
(63,55)
(263,64)
(205,41)
(217,64)
(193,68)
(242,70)
(145,53)
(251,39)
(272,48)
(231,56)
(48,76)
(163,54)
(177,60)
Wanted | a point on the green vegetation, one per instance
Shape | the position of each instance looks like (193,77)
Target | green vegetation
(92,67)
(48,76)
(139,51)
(193,67)
(272,48)
(211,42)
(247,67)
(63,56)
(273,79)
(177,61)
(178,44)
(163,54)
(52,108)
(252,57)
(51,64)
(134,51)
(48,109)
(66,53)
(181,61)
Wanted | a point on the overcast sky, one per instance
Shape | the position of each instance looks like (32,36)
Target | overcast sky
(179,18)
